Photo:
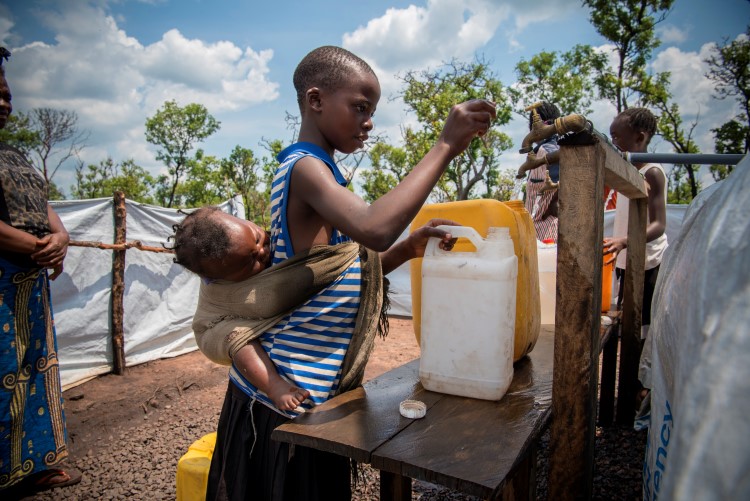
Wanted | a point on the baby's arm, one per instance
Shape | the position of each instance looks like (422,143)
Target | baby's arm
(414,245)
(255,365)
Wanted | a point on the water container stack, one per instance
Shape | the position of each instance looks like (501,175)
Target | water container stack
(468,315)
(481,215)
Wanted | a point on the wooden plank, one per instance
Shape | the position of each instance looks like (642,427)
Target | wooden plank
(577,321)
(355,423)
(622,175)
(632,307)
(472,445)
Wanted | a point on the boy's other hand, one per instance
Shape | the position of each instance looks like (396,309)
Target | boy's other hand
(466,121)
(417,240)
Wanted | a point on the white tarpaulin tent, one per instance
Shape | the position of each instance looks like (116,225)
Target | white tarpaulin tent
(160,296)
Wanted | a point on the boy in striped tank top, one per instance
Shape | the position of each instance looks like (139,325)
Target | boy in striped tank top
(311,207)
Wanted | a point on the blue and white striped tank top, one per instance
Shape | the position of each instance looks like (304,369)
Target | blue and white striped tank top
(307,346)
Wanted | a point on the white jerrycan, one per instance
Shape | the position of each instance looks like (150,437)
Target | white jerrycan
(469,315)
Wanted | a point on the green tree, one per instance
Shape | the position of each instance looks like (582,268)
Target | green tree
(59,139)
(389,166)
(685,184)
(242,173)
(176,130)
(567,79)
(99,181)
(506,186)
(203,184)
(629,25)
(730,137)
(18,133)
(729,68)
(430,95)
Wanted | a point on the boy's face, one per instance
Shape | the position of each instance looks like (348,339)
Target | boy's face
(625,137)
(345,114)
(249,250)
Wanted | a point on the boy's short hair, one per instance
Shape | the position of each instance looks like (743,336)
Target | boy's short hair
(641,120)
(327,67)
(200,237)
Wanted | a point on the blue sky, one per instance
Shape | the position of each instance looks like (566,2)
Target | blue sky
(115,62)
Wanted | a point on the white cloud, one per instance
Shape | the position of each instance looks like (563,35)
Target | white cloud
(693,92)
(669,34)
(114,83)
(417,38)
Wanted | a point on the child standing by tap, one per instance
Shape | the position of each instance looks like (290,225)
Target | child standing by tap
(632,131)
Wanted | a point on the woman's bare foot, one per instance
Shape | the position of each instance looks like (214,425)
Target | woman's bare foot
(286,396)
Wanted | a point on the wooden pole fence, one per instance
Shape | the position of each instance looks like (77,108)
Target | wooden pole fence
(118,277)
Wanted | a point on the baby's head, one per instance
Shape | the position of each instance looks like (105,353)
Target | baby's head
(327,67)
(217,245)
(633,129)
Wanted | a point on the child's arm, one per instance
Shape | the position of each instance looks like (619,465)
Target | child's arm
(315,192)
(657,214)
(414,245)
(657,205)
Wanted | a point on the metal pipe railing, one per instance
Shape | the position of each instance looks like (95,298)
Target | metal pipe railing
(684,158)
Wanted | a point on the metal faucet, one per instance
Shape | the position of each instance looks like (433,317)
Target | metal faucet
(533,161)
(540,130)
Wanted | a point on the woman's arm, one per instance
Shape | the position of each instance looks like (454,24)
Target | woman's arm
(15,240)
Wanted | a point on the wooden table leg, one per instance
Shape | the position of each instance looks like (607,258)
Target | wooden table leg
(394,487)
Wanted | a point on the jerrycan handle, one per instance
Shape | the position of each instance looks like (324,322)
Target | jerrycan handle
(466,232)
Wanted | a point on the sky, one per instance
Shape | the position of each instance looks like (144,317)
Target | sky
(115,62)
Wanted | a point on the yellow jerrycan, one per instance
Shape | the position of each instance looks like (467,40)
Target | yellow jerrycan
(481,215)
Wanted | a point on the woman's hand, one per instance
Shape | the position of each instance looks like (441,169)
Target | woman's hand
(51,251)
(614,246)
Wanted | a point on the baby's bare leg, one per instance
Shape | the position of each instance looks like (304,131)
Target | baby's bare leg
(255,365)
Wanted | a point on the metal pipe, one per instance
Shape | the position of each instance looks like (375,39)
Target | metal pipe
(684,158)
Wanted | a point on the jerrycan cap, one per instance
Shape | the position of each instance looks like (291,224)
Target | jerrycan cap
(412,409)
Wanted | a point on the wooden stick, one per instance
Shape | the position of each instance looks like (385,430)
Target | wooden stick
(118,285)
(133,244)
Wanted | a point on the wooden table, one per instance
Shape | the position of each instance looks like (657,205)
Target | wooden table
(479,447)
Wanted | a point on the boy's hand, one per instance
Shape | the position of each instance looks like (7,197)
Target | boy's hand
(466,121)
(417,240)
(614,246)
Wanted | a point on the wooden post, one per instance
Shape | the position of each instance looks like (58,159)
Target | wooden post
(394,487)
(118,285)
(577,322)
(630,348)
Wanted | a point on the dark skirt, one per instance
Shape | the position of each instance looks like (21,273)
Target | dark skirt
(247,464)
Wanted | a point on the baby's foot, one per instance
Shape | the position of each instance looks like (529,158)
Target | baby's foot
(286,396)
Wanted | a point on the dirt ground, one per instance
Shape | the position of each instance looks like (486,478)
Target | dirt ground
(107,407)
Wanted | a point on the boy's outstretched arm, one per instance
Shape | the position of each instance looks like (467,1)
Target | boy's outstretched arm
(378,225)
(414,245)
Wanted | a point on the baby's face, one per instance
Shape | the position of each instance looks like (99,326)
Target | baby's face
(249,251)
